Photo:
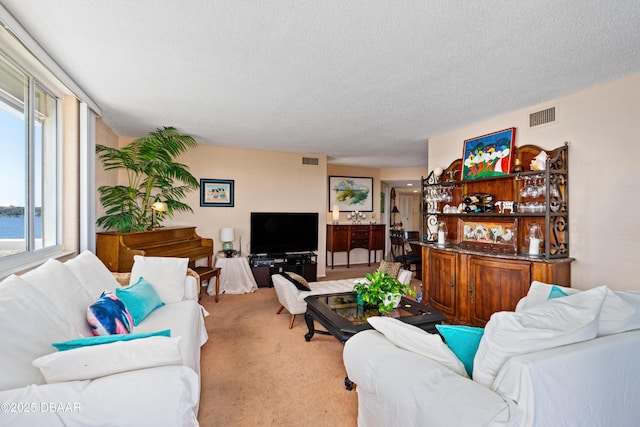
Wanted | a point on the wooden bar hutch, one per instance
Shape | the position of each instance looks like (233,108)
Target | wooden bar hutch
(468,281)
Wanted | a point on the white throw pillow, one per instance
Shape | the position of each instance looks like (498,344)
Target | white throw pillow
(92,274)
(560,321)
(29,323)
(166,274)
(58,284)
(620,312)
(539,293)
(87,363)
(417,341)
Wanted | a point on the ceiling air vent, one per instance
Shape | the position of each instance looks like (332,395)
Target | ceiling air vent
(542,117)
(310,161)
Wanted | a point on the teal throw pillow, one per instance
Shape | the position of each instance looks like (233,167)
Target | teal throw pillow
(106,339)
(556,292)
(463,341)
(141,299)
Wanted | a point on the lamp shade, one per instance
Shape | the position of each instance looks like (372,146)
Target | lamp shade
(336,213)
(395,210)
(159,206)
(227,235)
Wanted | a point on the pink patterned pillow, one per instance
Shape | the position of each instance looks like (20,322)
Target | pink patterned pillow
(109,316)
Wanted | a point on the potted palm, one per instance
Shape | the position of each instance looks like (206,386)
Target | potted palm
(153,176)
(381,291)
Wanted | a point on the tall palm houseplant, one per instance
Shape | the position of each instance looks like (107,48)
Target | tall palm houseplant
(153,175)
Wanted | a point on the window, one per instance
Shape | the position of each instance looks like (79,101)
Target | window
(47,155)
(29,199)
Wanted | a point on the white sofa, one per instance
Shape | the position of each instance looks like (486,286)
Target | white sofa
(584,373)
(143,382)
(292,299)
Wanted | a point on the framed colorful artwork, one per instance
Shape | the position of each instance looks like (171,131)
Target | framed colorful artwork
(216,192)
(489,235)
(489,155)
(351,193)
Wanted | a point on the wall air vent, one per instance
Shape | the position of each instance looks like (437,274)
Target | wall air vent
(310,161)
(542,117)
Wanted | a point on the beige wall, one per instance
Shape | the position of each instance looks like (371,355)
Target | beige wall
(602,126)
(357,256)
(104,136)
(264,181)
(400,174)
(341,170)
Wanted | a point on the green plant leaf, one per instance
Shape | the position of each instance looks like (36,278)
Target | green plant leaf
(152,175)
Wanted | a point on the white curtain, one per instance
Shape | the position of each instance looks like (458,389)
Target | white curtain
(87,178)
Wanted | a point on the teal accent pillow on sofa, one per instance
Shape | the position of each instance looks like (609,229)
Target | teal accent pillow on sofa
(141,299)
(556,292)
(106,339)
(463,341)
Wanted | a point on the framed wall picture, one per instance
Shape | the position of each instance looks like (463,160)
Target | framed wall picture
(216,192)
(489,155)
(351,193)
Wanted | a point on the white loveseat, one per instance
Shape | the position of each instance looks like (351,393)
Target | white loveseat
(143,382)
(584,373)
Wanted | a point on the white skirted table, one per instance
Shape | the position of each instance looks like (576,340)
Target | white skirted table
(235,276)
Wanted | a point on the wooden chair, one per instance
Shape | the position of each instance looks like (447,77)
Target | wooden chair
(400,254)
(416,252)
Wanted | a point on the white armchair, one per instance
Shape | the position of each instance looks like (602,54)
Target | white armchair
(292,298)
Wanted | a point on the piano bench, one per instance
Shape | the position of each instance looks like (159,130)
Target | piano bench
(207,273)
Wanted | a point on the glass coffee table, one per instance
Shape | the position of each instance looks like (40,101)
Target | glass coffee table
(340,314)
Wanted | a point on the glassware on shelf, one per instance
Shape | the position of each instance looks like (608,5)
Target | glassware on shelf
(534,239)
(440,193)
(534,186)
(531,207)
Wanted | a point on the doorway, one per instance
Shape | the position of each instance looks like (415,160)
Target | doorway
(406,212)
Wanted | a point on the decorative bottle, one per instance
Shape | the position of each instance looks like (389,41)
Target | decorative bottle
(442,232)
(535,239)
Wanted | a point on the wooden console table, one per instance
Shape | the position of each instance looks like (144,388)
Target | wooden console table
(344,238)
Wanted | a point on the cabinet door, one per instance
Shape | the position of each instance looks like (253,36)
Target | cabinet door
(262,276)
(337,238)
(310,272)
(496,285)
(442,281)
(377,238)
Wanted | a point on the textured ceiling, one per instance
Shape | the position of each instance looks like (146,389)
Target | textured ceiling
(365,82)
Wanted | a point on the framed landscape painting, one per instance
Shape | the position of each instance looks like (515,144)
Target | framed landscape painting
(488,155)
(351,193)
(216,192)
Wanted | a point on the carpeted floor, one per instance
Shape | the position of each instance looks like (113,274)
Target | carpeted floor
(258,372)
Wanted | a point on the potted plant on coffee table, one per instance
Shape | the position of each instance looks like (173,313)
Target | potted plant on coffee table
(381,290)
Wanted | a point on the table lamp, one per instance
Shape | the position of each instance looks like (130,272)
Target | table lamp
(157,207)
(227,237)
(336,214)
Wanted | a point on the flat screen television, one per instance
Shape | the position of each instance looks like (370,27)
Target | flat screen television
(282,232)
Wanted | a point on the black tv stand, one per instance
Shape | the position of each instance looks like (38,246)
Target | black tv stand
(263,266)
